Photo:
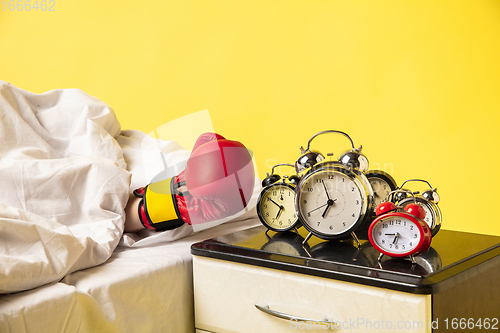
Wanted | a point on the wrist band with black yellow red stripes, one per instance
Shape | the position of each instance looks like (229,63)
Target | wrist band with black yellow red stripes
(158,208)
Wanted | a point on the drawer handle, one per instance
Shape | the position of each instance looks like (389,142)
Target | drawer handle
(282,315)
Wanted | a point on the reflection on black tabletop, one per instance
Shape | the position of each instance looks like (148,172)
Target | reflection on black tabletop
(348,253)
(345,252)
(288,242)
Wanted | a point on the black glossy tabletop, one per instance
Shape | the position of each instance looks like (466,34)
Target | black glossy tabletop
(453,257)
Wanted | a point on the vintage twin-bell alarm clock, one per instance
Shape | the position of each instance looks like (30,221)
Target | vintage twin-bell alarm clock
(428,200)
(400,233)
(382,184)
(276,202)
(333,198)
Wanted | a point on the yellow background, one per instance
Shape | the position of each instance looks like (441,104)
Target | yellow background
(415,82)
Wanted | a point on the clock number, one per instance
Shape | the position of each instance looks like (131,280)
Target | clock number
(383,241)
(384,225)
(353,215)
(267,214)
(391,222)
(305,201)
(357,202)
(411,227)
(330,176)
(411,243)
(396,246)
(343,224)
(309,189)
(319,223)
(282,191)
(403,247)
(415,235)
(380,233)
(265,206)
(331,227)
(352,189)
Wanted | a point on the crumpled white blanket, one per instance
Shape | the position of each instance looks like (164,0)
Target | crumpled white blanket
(65,183)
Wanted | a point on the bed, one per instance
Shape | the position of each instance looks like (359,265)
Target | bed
(144,289)
(67,170)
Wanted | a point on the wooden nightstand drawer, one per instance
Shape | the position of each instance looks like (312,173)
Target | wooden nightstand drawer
(226,294)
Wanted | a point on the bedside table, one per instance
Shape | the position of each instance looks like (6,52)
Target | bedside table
(250,281)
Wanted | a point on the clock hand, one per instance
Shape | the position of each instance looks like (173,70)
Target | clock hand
(317,208)
(279,212)
(326,210)
(330,202)
(274,202)
(396,235)
(326,191)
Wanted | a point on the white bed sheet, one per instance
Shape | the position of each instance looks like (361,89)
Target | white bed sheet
(139,289)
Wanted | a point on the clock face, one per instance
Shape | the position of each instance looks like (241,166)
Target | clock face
(329,203)
(381,189)
(382,184)
(276,207)
(396,235)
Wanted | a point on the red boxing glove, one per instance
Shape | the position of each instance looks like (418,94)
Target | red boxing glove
(219,178)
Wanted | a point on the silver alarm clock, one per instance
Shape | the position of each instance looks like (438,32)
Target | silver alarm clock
(333,198)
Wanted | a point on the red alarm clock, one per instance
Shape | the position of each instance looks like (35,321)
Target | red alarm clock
(399,232)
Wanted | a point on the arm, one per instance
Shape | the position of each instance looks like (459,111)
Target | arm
(132,221)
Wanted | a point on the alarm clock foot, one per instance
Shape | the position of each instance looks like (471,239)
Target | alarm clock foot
(296,231)
(354,257)
(356,239)
(267,232)
(412,258)
(380,257)
(305,250)
(307,238)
